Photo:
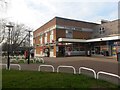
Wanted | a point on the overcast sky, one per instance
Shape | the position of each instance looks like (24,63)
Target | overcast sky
(35,13)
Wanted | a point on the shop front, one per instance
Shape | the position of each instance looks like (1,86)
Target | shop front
(70,49)
(115,48)
(106,48)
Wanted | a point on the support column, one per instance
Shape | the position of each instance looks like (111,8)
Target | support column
(88,49)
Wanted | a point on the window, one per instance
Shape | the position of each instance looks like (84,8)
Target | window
(51,36)
(69,34)
(102,30)
(82,49)
(75,49)
(41,40)
(45,38)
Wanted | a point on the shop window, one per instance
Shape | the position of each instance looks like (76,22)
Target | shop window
(82,49)
(75,49)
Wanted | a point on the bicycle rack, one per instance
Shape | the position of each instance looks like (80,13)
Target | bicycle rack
(61,66)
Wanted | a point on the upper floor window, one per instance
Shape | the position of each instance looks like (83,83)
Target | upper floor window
(69,34)
(102,30)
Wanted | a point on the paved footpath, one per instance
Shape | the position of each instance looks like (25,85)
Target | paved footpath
(97,63)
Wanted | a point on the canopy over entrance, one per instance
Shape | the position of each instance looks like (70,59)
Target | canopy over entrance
(68,40)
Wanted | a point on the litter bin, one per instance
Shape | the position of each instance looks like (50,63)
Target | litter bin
(118,56)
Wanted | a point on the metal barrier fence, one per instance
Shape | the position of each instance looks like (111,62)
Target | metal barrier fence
(33,60)
(19,67)
(42,60)
(61,66)
(39,59)
(21,60)
(110,74)
(89,69)
(11,60)
(96,76)
(53,69)
(30,60)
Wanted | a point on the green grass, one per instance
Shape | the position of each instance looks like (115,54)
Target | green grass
(35,79)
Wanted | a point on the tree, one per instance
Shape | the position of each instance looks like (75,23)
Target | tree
(18,36)
(2,30)
(3,10)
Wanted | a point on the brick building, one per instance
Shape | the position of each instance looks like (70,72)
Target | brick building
(66,37)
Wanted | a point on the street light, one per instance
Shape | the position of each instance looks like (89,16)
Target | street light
(8,51)
(29,46)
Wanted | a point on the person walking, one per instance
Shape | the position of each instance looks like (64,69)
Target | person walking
(26,54)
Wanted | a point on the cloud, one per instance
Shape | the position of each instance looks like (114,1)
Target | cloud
(35,13)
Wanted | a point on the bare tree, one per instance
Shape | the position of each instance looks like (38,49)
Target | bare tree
(2,30)
(18,33)
(18,36)
(3,10)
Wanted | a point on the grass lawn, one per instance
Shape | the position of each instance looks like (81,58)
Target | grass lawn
(35,79)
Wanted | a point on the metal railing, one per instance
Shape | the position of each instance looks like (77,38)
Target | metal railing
(62,66)
(53,69)
(40,60)
(11,60)
(19,67)
(110,74)
(30,60)
(21,60)
(89,69)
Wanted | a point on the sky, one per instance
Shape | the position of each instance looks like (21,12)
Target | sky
(35,13)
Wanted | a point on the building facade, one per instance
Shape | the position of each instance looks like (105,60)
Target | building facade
(67,37)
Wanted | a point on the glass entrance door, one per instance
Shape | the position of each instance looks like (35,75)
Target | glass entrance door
(97,50)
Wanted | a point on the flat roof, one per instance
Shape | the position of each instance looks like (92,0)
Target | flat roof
(76,20)
(64,19)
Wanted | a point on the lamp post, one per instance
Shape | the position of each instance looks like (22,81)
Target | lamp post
(29,47)
(8,51)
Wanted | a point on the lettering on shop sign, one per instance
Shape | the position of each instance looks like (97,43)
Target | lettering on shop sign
(69,28)
(74,28)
